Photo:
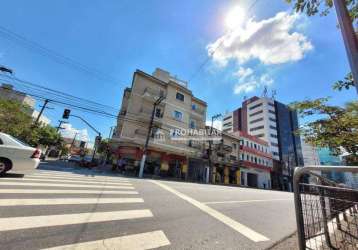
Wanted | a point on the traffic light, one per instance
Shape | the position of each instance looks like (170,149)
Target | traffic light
(66,114)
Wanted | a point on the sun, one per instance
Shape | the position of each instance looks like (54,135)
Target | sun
(235,18)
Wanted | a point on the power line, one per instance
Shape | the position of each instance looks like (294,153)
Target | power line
(201,66)
(57,57)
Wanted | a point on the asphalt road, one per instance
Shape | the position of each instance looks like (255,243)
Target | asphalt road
(71,208)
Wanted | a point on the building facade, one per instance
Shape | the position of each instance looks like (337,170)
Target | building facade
(180,109)
(275,123)
(7,92)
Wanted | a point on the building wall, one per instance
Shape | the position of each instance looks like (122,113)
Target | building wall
(7,92)
(179,110)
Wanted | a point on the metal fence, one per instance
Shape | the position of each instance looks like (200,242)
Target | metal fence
(326,211)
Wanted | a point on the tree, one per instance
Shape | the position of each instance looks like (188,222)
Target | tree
(333,127)
(313,7)
(15,119)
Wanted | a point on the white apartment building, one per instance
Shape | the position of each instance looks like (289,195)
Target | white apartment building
(261,122)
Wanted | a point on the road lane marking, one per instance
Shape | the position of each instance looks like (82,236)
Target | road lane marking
(67,181)
(63,191)
(66,201)
(20,184)
(143,241)
(78,177)
(240,228)
(83,175)
(16,223)
(244,201)
(73,178)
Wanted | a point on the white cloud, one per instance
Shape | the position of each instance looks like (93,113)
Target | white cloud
(243,73)
(271,41)
(253,83)
(70,132)
(217,124)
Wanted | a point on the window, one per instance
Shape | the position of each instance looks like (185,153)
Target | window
(227,124)
(272,112)
(255,106)
(271,104)
(234,145)
(247,143)
(257,128)
(178,115)
(247,157)
(273,136)
(255,146)
(251,145)
(1,143)
(158,113)
(272,119)
(274,144)
(260,135)
(275,153)
(256,113)
(273,127)
(180,97)
(192,124)
(257,120)
(193,106)
(227,118)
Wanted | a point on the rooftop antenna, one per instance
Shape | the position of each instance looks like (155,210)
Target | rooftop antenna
(264,93)
(273,93)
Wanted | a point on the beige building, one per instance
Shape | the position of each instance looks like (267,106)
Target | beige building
(168,154)
(225,158)
(8,92)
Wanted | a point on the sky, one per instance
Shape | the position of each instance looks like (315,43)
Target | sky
(297,56)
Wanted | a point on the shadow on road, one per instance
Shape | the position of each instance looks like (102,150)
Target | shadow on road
(13,175)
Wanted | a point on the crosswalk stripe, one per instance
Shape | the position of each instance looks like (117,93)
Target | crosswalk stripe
(16,223)
(78,179)
(94,175)
(16,183)
(143,241)
(66,201)
(63,191)
(81,177)
(68,181)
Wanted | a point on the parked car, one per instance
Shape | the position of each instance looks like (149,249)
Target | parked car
(17,155)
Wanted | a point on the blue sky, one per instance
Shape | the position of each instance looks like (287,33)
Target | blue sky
(118,37)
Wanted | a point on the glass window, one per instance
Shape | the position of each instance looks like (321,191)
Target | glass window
(193,106)
(180,97)
(192,124)
(178,115)
(1,143)
(158,113)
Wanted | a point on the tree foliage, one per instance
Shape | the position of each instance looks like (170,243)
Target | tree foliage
(333,127)
(15,119)
(344,84)
(323,7)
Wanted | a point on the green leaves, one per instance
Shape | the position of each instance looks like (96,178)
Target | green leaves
(312,7)
(16,120)
(346,83)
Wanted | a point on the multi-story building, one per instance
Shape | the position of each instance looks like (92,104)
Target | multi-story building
(224,158)
(275,123)
(180,109)
(256,163)
(310,154)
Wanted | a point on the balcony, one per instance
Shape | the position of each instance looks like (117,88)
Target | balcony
(153,94)
(198,111)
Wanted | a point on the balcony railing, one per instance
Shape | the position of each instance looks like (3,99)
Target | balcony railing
(153,92)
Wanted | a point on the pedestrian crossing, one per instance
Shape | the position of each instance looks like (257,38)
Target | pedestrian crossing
(103,200)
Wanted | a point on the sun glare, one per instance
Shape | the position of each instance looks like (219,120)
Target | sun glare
(235,17)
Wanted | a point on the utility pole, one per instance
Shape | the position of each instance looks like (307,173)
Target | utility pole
(42,110)
(73,141)
(156,103)
(210,143)
(349,37)
(59,125)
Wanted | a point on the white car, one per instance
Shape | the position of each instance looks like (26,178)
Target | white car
(17,155)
